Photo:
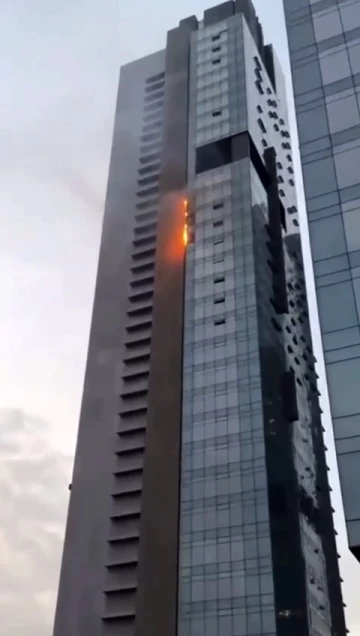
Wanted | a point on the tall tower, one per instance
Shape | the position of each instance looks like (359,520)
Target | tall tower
(324,41)
(200,499)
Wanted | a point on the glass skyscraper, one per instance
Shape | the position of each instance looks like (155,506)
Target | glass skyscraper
(324,41)
(200,500)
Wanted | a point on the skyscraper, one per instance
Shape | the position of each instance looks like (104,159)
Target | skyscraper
(200,499)
(324,41)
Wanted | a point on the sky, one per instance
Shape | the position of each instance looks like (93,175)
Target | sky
(58,80)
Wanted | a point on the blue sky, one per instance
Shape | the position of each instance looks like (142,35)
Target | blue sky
(58,81)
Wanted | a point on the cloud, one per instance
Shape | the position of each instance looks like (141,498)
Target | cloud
(33,496)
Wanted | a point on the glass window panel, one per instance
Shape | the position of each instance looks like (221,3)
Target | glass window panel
(330,300)
(354,52)
(306,77)
(349,469)
(331,265)
(356,283)
(350,16)
(327,237)
(352,229)
(326,25)
(354,258)
(312,124)
(319,177)
(347,167)
(343,379)
(346,426)
(350,445)
(240,624)
(268,621)
(302,35)
(343,113)
(254,623)
(353,531)
(335,67)
(339,339)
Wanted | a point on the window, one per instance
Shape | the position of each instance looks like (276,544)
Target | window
(216,113)
(219,279)
(218,205)
(343,379)
(343,113)
(261,125)
(259,109)
(218,258)
(352,230)
(155,78)
(218,223)
(219,321)
(335,67)
(347,167)
(259,87)
(313,124)
(219,299)
(327,24)
(330,298)
(216,49)
(217,60)
(327,237)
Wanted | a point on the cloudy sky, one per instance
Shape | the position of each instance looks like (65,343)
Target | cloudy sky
(58,80)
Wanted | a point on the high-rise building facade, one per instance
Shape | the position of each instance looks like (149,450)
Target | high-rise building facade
(324,42)
(200,499)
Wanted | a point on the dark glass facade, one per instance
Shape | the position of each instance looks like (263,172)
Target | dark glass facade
(200,499)
(324,42)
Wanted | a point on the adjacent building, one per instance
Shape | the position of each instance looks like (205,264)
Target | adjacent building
(324,41)
(200,499)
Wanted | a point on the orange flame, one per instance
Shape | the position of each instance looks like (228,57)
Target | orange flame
(185,231)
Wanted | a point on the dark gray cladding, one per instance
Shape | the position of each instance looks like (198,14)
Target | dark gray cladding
(218,13)
(191,23)
(156,603)
(80,604)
